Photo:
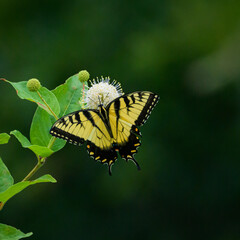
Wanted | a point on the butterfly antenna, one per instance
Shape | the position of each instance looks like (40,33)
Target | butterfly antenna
(105,97)
(92,100)
(99,100)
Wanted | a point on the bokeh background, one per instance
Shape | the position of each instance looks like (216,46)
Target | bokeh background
(186,51)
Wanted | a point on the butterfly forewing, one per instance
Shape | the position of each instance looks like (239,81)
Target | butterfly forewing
(133,108)
(127,112)
(81,126)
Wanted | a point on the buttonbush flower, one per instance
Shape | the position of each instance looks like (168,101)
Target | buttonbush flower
(102,91)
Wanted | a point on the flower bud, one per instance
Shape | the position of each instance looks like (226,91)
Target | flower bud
(33,85)
(83,76)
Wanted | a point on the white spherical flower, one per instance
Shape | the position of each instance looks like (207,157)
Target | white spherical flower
(102,92)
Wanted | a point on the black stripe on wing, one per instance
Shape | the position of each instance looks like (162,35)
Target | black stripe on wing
(128,150)
(136,100)
(56,132)
(147,109)
(65,135)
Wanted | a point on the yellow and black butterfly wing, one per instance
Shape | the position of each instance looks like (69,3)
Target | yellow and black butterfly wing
(86,125)
(125,114)
(133,108)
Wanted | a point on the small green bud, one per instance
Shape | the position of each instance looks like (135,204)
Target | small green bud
(33,85)
(83,76)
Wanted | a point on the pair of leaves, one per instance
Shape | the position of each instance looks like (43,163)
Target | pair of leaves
(38,150)
(68,96)
(7,190)
(62,100)
(7,187)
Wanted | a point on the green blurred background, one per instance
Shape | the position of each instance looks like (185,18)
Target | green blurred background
(186,51)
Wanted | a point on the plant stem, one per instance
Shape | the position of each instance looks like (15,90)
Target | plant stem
(82,102)
(47,105)
(40,163)
(51,142)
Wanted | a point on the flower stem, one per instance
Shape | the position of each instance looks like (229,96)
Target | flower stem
(47,105)
(41,161)
(83,91)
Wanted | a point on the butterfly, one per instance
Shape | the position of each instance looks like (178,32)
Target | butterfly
(108,131)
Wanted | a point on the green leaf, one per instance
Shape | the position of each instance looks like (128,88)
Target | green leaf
(39,131)
(47,95)
(10,233)
(18,187)
(38,150)
(4,138)
(6,180)
(68,95)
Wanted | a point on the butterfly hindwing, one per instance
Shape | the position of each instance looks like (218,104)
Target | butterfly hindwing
(128,150)
(105,156)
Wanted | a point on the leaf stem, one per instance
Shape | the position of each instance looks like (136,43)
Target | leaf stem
(40,163)
(51,142)
(47,105)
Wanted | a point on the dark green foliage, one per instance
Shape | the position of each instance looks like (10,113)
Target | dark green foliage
(185,51)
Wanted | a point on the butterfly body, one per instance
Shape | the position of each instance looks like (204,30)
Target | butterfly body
(108,130)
